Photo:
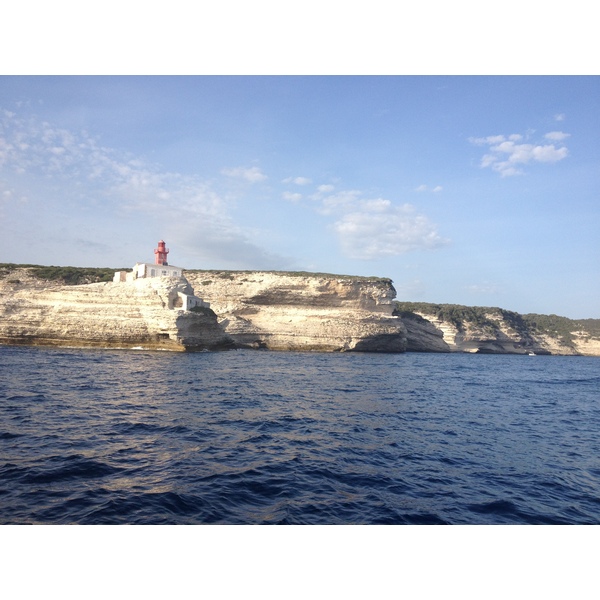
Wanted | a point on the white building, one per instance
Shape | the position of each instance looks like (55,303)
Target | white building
(161,268)
(144,270)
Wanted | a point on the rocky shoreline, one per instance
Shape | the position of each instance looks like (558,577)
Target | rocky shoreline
(492,330)
(261,310)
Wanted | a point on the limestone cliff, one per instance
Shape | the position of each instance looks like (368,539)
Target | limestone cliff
(454,328)
(303,311)
(422,335)
(143,313)
(256,309)
(279,311)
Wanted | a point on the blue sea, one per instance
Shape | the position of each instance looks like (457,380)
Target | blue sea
(257,437)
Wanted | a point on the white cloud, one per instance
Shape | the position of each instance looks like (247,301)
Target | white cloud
(490,139)
(130,193)
(290,197)
(326,188)
(557,136)
(251,174)
(29,144)
(297,180)
(377,229)
(506,156)
(425,188)
(559,117)
(343,200)
(548,153)
(372,228)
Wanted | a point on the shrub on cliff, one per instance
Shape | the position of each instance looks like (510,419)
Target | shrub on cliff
(561,328)
(65,275)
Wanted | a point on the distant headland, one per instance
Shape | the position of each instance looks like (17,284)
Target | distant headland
(160,306)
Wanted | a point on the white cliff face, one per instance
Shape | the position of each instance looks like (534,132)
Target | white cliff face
(279,311)
(142,313)
(585,344)
(282,311)
(422,335)
(472,338)
(429,333)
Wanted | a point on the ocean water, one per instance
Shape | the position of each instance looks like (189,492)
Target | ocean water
(253,437)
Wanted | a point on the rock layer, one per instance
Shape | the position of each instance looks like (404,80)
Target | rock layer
(498,332)
(122,315)
(422,335)
(284,311)
(271,310)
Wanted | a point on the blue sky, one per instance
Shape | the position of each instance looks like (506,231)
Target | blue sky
(462,189)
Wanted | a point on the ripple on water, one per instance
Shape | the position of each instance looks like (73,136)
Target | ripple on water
(293,438)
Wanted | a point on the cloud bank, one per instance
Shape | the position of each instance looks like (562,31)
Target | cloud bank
(508,154)
(374,228)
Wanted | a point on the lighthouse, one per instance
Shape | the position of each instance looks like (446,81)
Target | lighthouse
(160,254)
(179,296)
(160,268)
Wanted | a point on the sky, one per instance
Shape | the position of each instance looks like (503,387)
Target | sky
(476,190)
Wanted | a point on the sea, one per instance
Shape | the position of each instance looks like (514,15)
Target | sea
(257,437)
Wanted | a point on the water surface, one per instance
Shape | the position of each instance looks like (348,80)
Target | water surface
(251,437)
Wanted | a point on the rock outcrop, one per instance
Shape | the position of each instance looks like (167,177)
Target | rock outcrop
(422,335)
(143,313)
(585,344)
(287,311)
(277,311)
(453,328)
(258,309)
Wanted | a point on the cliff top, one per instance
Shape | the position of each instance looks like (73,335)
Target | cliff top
(224,274)
(83,275)
(63,275)
(482,316)
(454,313)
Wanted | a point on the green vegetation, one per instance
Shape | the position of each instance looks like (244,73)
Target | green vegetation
(230,275)
(407,314)
(65,275)
(591,326)
(81,275)
(8,268)
(561,328)
(452,313)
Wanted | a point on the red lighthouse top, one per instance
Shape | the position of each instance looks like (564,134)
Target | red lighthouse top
(160,254)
